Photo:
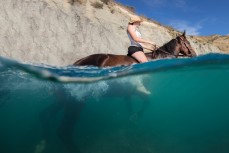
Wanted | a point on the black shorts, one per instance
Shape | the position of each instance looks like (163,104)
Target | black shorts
(134,49)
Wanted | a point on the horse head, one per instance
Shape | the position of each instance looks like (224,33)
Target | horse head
(184,47)
(179,46)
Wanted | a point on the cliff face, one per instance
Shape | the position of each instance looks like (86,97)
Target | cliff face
(58,32)
(222,42)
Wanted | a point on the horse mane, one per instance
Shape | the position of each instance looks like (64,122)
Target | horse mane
(164,51)
(169,45)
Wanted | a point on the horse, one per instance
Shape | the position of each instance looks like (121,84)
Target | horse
(175,48)
(178,47)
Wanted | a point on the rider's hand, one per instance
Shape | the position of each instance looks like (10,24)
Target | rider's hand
(156,46)
(151,43)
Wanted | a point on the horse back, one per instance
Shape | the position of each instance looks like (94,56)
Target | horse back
(103,60)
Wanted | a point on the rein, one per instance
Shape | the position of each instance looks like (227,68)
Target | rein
(168,53)
(181,55)
(163,51)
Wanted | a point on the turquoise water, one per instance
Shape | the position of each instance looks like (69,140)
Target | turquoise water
(45,109)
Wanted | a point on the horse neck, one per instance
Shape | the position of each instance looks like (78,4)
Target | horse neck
(167,50)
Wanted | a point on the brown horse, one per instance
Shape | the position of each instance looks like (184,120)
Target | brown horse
(179,46)
(72,107)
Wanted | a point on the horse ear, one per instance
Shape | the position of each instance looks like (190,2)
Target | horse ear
(179,39)
(184,34)
(177,35)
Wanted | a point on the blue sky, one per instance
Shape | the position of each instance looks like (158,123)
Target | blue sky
(197,17)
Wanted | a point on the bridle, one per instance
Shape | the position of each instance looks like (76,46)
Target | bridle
(185,44)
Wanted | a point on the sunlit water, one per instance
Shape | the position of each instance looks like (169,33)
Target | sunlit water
(45,109)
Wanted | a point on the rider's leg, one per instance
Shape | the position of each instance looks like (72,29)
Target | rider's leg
(140,56)
(141,88)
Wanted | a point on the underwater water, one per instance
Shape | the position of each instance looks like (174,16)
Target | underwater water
(46,109)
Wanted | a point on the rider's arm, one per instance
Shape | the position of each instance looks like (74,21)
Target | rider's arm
(131,30)
(149,46)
